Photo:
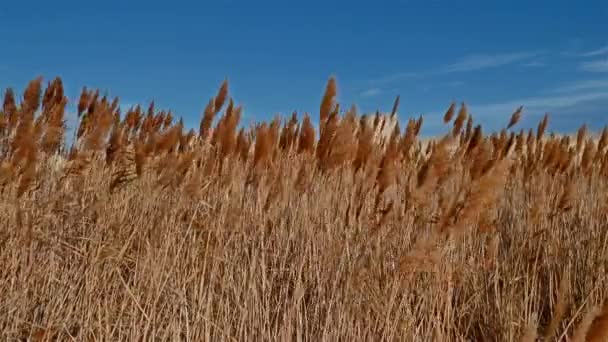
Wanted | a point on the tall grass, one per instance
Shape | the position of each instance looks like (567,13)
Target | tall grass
(145,231)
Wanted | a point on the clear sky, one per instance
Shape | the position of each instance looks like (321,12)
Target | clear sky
(550,56)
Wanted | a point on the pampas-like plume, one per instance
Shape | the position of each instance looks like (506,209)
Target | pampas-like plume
(449,114)
(364,146)
(262,149)
(408,139)
(476,138)
(460,120)
(221,96)
(55,128)
(603,141)
(114,144)
(598,332)
(242,145)
(306,142)
(432,171)
(228,134)
(341,147)
(483,195)
(587,157)
(581,134)
(9,108)
(207,119)
(542,126)
(219,128)
(387,174)
(31,96)
(515,117)
(418,126)
(274,131)
(469,129)
(326,136)
(169,140)
(328,102)
(126,167)
(395,106)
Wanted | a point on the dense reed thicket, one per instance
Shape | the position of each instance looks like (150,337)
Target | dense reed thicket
(142,230)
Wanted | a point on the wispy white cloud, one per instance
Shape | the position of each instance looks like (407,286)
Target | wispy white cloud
(539,104)
(595,66)
(583,85)
(534,64)
(476,62)
(371,92)
(495,115)
(486,61)
(597,52)
(456,84)
(400,76)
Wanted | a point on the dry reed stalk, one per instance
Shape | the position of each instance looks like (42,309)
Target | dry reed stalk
(242,145)
(221,96)
(169,140)
(598,331)
(431,172)
(395,106)
(341,146)
(476,139)
(228,133)
(580,333)
(207,119)
(542,126)
(449,114)
(418,126)
(55,127)
(306,141)
(588,155)
(31,97)
(328,103)
(515,117)
(125,170)
(273,134)
(603,141)
(482,195)
(387,174)
(460,120)
(530,333)
(287,135)
(408,139)
(263,147)
(566,199)
(327,135)
(560,307)
(114,144)
(9,108)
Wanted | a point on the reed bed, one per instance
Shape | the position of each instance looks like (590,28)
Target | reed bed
(142,230)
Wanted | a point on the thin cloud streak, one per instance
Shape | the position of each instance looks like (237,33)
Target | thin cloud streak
(582,86)
(371,92)
(500,111)
(469,63)
(534,64)
(594,53)
(537,104)
(595,66)
(484,61)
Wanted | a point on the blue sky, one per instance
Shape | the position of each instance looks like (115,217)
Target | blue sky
(550,56)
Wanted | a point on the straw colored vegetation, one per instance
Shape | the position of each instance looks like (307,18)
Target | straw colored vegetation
(143,230)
